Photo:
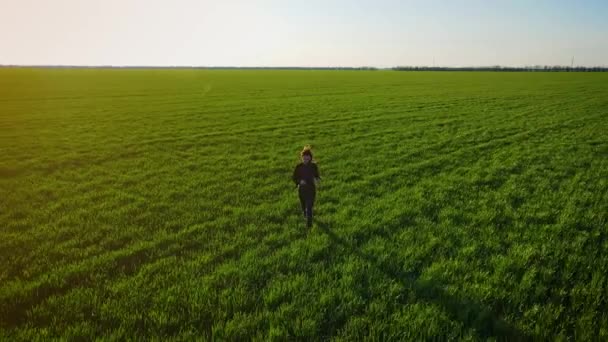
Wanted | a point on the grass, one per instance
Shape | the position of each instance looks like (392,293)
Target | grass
(158,204)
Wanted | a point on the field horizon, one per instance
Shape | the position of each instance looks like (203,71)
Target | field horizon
(158,204)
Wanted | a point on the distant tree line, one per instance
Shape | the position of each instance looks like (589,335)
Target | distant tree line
(186,67)
(543,68)
(292,68)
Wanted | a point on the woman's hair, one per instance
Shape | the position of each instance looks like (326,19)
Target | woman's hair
(307,150)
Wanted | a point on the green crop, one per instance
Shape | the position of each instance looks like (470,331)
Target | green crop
(158,204)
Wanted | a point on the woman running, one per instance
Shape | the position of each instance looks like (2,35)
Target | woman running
(305,175)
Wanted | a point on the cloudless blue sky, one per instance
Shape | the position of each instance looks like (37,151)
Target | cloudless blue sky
(304,33)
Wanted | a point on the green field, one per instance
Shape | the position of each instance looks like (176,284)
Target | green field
(159,204)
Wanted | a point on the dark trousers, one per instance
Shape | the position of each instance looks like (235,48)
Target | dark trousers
(307,200)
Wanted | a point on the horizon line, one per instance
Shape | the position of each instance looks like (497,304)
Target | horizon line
(362,67)
(402,68)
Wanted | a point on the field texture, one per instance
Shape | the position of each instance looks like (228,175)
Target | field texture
(158,204)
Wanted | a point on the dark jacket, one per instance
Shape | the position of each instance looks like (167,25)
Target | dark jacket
(307,172)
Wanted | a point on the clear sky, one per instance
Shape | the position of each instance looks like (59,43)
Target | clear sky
(378,33)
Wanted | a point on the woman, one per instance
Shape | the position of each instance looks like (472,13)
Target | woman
(305,175)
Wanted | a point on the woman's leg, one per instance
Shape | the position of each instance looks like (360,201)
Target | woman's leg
(310,201)
(302,196)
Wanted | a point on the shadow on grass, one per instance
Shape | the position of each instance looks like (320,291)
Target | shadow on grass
(470,313)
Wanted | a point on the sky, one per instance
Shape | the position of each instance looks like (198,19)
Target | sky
(311,33)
